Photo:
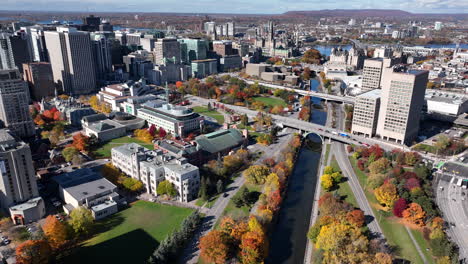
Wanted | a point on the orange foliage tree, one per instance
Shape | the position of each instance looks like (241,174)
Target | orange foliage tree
(80,142)
(414,214)
(356,217)
(213,247)
(33,252)
(55,231)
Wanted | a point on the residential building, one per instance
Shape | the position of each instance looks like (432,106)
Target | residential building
(39,77)
(366,113)
(85,187)
(167,49)
(153,167)
(71,57)
(402,100)
(17,181)
(177,120)
(14,104)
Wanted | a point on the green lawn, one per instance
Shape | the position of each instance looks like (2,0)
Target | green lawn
(131,235)
(203,110)
(425,147)
(104,151)
(271,101)
(394,232)
(344,190)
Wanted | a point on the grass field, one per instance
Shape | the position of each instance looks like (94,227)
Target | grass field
(344,190)
(104,151)
(271,101)
(203,110)
(396,233)
(131,235)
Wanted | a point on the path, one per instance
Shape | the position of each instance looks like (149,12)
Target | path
(418,248)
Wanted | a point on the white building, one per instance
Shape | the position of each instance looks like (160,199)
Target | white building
(84,187)
(446,103)
(116,94)
(366,113)
(153,167)
(177,120)
(438,25)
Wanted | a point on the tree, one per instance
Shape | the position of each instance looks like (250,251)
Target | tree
(383,258)
(256,174)
(143,135)
(386,194)
(326,181)
(219,186)
(81,220)
(411,158)
(77,160)
(312,56)
(244,120)
(55,231)
(252,247)
(213,247)
(414,214)
(69,152)
(33,252)
(306,74)
(110,172)
(132,184)
(399,206)
(162,133)
(356,217)
(442,142)
(328,170)
(166,187)
(379,166)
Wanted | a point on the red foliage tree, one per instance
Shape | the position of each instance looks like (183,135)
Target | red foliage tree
(361,164)
(152,130)
(377,151)
(356,217)
(179,84)
(274,200)
(412,183)
(399,206)
(269,162)
(162,133)
(408,175)
(33,252)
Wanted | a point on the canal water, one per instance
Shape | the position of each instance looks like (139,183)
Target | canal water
(288,240)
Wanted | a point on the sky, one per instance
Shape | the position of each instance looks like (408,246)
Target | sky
(233,6)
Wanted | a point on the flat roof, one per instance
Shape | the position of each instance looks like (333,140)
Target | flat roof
(374,94)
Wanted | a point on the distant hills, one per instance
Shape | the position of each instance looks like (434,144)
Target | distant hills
(362,13)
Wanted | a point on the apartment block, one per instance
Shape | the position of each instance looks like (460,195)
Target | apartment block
(366,113)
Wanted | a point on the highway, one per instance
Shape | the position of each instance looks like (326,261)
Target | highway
(329,97)
(307,127)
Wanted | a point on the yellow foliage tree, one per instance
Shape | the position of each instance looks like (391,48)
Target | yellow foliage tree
(326,181)
(386,194)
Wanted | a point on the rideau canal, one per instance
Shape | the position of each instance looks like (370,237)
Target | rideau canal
(288,240)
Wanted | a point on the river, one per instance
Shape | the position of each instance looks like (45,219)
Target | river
(288,240)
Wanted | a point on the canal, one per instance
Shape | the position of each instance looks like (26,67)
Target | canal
(288,240)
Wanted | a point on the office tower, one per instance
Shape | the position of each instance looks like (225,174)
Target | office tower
(102,56)
(366,113)
(39,77)
(167,49)
(14,107)
(196,49)
(14,51)
(438,25)
(223,48)
(401,104)
(36,43)
(372,73)
(148,43)
(71,57)
(106,26)
(231,29)
(17,181)
(92,23)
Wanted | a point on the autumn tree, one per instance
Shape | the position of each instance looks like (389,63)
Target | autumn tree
(414,214)
(70,152)
(383,258)
(256,174)
(80,141)
(213,247)
(356,217)
(143,135)
(166,187)
(312,56)
(386,194)
(55,231)
(326,181)
(33,252)
(251,247)
(132,184)
(399,206)
(379,166)
(81,220)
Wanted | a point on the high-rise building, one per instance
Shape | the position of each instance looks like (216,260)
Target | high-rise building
(231,29)
(92,23)
(210,28)
(366,113)
(223,48)
(39,77)
(71,57)
(372,73)
(401,104)
(14,51)
(167,49)
(17,181)
(106,26)
(102,56)
(36,43)
(438,25)
(14,104)
(134,39)
(194,49)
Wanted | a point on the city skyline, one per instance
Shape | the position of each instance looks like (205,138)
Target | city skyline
(236,6)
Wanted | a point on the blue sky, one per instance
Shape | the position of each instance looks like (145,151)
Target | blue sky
(234,6)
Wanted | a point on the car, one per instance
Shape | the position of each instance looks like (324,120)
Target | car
(225,194)
(6,242)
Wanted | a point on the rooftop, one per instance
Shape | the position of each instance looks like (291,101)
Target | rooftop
(373,94)
(445,97)
(32,203)
(219,140)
